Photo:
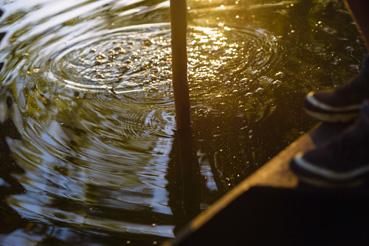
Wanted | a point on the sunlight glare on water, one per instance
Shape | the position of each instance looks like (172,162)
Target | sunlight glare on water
(87,118)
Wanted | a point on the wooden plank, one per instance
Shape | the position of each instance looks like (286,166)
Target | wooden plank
(275,173)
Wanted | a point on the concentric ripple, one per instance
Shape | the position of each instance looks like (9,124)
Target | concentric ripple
(87,85)
(134,61)
(95,111)
(98,119)
(127,60)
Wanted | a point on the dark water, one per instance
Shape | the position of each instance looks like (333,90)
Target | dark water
(87,131)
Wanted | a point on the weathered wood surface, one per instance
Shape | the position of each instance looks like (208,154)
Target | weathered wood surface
(273,196)
(276,172)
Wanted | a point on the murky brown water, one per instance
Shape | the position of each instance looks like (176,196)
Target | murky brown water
(87,116)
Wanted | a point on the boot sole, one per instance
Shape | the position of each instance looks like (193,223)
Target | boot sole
(310,99)
(316,176)
(328,113)
(332,118)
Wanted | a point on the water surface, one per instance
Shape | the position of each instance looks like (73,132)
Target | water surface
(87,114)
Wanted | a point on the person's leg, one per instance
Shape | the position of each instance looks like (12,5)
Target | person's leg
(359,10)
(343,104)
(344,160)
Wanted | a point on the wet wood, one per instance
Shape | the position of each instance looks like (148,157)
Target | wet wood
(275,174)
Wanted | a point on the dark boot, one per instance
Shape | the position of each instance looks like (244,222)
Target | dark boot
(342,104)
(343,161)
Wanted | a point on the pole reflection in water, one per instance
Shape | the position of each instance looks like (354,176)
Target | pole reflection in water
(184,179)
(91,85)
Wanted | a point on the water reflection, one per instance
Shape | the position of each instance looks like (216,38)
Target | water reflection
(89,151)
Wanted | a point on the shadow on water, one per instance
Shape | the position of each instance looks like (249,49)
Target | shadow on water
(88,147)
(2,34)
(10,219)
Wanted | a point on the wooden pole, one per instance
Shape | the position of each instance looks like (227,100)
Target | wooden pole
(188,181)
(178,15)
